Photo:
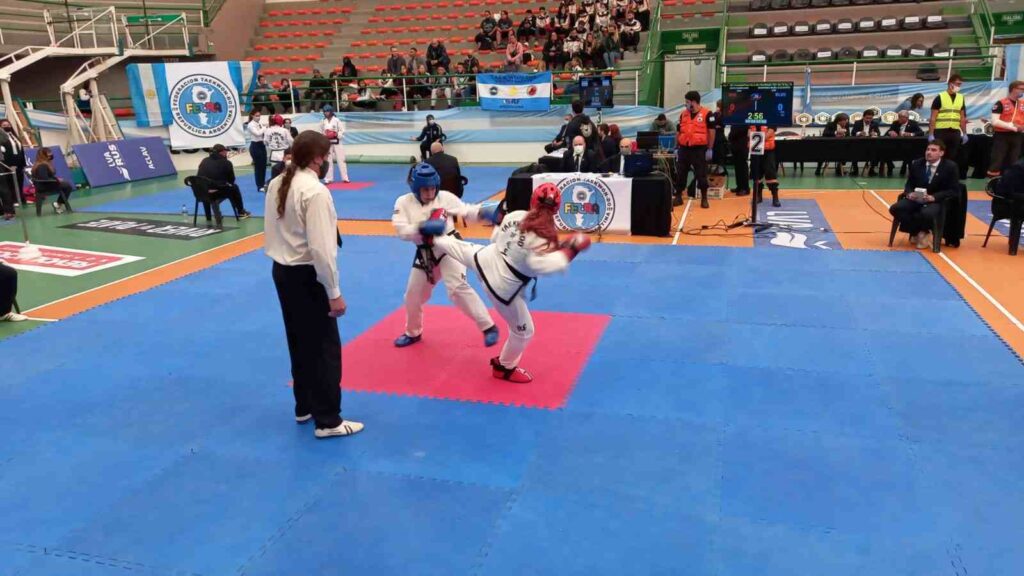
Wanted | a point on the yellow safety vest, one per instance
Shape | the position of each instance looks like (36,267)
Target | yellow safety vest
(949,114)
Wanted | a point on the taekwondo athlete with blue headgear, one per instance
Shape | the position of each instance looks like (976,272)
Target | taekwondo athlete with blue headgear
(426,202)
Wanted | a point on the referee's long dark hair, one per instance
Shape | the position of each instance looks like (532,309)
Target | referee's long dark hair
(307,147)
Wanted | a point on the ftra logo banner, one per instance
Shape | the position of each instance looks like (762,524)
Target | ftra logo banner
(587,204)
(59,261)
(203,105)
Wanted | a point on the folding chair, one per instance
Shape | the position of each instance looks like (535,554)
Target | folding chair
(201,190)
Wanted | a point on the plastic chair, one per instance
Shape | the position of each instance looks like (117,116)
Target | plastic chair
(1005,208)
(201,191)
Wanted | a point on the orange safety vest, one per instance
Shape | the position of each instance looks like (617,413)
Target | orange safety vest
(1013,112)
(693,131)
(769,139)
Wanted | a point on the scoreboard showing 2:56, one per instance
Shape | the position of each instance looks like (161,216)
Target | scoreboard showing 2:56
(758,104)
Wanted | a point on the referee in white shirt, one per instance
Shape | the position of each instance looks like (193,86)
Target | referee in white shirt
(302,238)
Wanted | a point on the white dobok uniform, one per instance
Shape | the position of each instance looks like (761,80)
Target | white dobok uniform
(337,148)
(277,140)
(408,215)
(505,267)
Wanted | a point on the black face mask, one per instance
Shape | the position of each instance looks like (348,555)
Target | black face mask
(8,128)
(323,169)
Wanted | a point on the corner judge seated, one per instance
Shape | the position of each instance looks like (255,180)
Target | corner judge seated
(221,173)
(579,158)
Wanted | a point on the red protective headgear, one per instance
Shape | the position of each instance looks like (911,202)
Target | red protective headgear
(546,194)
(277,120)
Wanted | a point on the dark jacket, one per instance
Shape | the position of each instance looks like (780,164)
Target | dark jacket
(832,128)
(911,128)
(609,147)
(395,63)
(859,129)
(589,163)
(431,134)
(44,179)
(945,182)
(447,167)
(579,124)
(217,169)
(438,56)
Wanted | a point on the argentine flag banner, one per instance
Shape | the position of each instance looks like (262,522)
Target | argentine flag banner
(514,91)
(201,103)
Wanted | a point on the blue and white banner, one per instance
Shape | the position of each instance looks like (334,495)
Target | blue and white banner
(120,161)
(591,202)
(201,103)
(514,91)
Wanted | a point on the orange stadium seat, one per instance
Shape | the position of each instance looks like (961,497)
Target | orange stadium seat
(332,10)
(346,10)
(389,18)
(442,4)
(447,27)
(265,24)
(373,42)
(405,18)
(458,3)
(430,28)
(338,21)
(396,7)
(374,19)
(415,28)
(274,13)
(357,43)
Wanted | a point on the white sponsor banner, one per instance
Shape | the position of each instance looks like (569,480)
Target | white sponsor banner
(59,261)
(204,106)
(592,203)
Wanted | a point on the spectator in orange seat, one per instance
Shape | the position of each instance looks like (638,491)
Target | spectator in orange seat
(471,62)
(528,27)
(514,55)
(505,26)
(630,30)
(554,53)
(488,32)
(348,73)
(437,56)
(563,22)
(442,88)
(286,93)
(643,13)
(545,23)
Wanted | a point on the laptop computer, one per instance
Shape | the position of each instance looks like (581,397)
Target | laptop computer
(638,165)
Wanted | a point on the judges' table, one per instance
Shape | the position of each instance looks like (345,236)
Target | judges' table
(592,202)
(850,149)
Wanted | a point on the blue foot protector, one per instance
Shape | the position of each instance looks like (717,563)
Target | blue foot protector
(491,336)
(406,340)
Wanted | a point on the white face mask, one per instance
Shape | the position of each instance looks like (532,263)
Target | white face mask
(430,122)
(955,88)
(578,150)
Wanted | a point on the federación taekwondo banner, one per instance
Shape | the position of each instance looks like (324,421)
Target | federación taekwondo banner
(514,91)
(119,161)
(592,203)
(202,103)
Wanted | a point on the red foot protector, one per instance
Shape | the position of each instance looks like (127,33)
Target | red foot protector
(349,186)
(452,363)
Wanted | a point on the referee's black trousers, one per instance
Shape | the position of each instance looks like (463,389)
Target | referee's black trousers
(313,344)
(8,288)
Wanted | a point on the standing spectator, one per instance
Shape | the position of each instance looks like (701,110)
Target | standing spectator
(15,158)
(471,62)
(505,26)
(610,139)
(301,231)
(912,104)
(545,23)
(261,96)
(220,173)
(461,81)
(696,140)
(317,91)
(528,27)
(8,292)
(257,149)
(513,54)
(8,196)
(286,94)
(395,62)
(630,30)
(437,56)
(334,130)
(488,32)
(442,88)
(415,61)
(431,133)
(738,144)
(612,47)
(553,52)
(348,72)
(582,125)
(948,121)
(940,180)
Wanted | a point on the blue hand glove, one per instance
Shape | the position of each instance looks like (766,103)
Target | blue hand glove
(707,154)
(494,214)
(433,227)
(963,139)
(931,137)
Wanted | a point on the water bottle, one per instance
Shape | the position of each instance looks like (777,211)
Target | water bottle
(184,213)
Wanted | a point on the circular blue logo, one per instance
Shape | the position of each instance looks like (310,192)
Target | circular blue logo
(203,105)
(587,204)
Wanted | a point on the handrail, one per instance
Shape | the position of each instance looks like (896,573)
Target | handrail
(859,61)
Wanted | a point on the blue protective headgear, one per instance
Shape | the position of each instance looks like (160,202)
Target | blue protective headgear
(327,108)
(423,175)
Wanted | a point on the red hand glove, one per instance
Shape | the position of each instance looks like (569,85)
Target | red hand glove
(578,243)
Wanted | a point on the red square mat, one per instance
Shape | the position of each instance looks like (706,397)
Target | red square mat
(349,186)
(452,363)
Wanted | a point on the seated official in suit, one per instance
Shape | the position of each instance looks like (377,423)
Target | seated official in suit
(616,163)
(930,181)
(447,167)
(559,142)
(579,158)
(902,127)
(221,174)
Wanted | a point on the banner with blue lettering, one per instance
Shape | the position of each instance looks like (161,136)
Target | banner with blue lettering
(202,103)
(120,161)
(514,91)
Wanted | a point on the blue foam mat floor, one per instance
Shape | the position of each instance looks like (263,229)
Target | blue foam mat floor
(375,202)
(747,411)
